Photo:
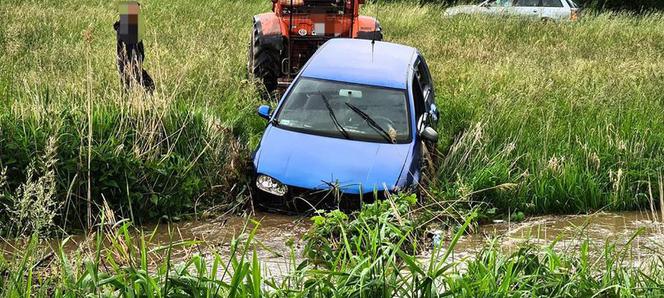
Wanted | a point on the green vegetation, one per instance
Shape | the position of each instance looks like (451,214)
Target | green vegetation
(536,117)
(149,156)
(565,113)
(368,254)
(633,5)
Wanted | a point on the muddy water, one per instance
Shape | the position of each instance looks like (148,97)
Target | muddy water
(568,232)
(275,231)
(211,236)
(277,237)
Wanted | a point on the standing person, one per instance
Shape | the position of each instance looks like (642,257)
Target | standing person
(130,50)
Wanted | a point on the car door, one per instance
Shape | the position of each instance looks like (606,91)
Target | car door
(529,8)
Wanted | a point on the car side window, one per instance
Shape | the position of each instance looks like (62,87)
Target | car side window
(418,97)
(501,3)
(424,76)
(528,3)
(552,3)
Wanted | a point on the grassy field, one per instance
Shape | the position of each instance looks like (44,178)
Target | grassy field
(150,156)
(536,117)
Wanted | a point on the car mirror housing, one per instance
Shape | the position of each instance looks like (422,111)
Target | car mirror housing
(429,134)
(264,111)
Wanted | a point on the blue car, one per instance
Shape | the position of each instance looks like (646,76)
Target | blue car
(356,120)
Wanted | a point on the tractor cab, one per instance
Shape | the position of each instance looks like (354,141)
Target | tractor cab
(308,6)
(283,40)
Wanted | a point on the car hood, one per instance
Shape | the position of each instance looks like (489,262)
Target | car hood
(313,162)
(464,9)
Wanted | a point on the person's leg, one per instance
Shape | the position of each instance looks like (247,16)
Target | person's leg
(147,81)
(141,75)
(135,69)
(125,75)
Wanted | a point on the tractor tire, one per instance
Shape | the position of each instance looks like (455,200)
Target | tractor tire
(379,33)
(373,35)
(263,61)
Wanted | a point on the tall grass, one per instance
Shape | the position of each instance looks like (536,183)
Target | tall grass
(147,156)
(568,111)
(566,114)
(369,254)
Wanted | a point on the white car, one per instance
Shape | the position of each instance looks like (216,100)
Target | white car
(542,9)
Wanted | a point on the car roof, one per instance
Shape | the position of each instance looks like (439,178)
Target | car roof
(358,61)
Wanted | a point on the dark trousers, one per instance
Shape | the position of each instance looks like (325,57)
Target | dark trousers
(130,67)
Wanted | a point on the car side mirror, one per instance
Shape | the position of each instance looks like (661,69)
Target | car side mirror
(264,111)
(429,134)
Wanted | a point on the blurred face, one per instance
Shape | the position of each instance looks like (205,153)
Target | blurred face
(130,22)
(133,8)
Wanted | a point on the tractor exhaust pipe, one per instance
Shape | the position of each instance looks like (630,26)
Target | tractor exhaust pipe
(290,41)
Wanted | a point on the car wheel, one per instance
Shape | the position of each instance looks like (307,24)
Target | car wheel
(428,168)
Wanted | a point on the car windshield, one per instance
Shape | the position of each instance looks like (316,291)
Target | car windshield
(345,110)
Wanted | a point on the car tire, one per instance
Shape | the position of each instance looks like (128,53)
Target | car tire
(376,35)
(428,168)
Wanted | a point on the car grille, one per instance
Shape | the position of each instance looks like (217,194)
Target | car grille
(329,199)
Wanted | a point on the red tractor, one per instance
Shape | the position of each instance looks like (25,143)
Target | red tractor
(283,40)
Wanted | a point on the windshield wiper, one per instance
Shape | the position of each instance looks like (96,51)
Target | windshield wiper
(334,118)
(371,123)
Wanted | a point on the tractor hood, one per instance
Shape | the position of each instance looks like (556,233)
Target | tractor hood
(313,162)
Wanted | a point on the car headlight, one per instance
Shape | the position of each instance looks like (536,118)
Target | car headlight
(271,185)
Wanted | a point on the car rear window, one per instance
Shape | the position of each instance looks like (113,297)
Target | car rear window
(572,4)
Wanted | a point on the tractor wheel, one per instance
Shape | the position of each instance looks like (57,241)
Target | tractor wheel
(372,35)
(263,61)
(379,33)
